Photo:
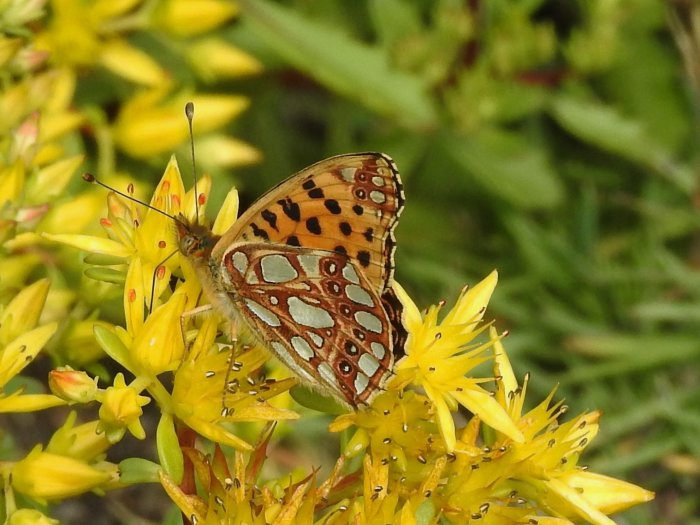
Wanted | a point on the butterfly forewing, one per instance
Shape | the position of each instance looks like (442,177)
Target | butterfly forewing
(317,312)
(348,204)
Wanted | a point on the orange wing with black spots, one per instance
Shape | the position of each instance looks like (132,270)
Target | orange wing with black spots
(347,204)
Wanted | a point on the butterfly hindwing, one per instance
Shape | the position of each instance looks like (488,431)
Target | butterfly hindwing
(317,312)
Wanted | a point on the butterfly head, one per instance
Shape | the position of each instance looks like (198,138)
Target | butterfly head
(196,241)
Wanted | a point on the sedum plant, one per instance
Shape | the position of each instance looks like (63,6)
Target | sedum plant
(450,440)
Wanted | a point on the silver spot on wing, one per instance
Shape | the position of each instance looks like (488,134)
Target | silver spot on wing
(350,274)
(361,383)
(378,350)
(358,295)
(302,348)
(277,269)
(369,321)
(262,313)
(377,196)
(309,263)
(309,315)
(240,262)
(368,364)
(317,339)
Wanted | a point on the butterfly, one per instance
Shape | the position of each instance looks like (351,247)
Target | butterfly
(309,268)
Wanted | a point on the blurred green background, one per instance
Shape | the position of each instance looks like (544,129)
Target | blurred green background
(553,140)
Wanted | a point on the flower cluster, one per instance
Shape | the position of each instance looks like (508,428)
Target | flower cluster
(405,456)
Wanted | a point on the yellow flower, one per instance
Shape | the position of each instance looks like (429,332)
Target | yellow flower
(84,442)
(217,385)
(121,410)
(80,35)
(538,475)
(438,359)
(149,125)
(158,346)
(141,238)
(188,17)
(221,60)
(232,494)
(44,476)
(20,342)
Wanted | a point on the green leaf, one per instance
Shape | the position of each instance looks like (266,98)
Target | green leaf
(315,401)
(346,66)
(112,345)
(404,16)
(507,166)
(107,275)
(101,259)
(138,470)
(604,127)
(168,446)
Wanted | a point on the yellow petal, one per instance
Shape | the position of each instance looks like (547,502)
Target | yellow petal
(445,421)
(22,351)
(609,495)
(18,403)
(227,214)
(158,347)
(131,63)
(216,433)
(480,402)
(577,503)
(412,316)
(51,180)
(187,18)
(472,303)
(23,311)
(213,58)
(92,244)
(220,151)
(134,294)
(11,182)
(46,476)
(503,370)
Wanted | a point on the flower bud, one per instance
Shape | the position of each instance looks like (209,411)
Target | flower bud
(74,386)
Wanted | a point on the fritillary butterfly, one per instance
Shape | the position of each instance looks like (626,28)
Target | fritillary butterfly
(308,269)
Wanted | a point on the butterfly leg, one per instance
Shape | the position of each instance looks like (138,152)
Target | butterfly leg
(185,316)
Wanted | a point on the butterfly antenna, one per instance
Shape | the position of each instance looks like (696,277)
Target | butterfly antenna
(189,113)
(89,177)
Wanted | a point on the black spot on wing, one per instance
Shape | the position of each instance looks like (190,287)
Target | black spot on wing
(290,209)
(332,206)
(313,225)
(363,257)
(293,240)
(309,184)
(359,210)
(270,218)
(316,193)
(345,228)
(259,232)
(369,234)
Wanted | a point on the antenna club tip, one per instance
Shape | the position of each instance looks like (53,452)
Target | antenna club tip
(189,109)
(88,177)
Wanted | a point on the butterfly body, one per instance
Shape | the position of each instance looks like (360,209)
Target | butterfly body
(308,270)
